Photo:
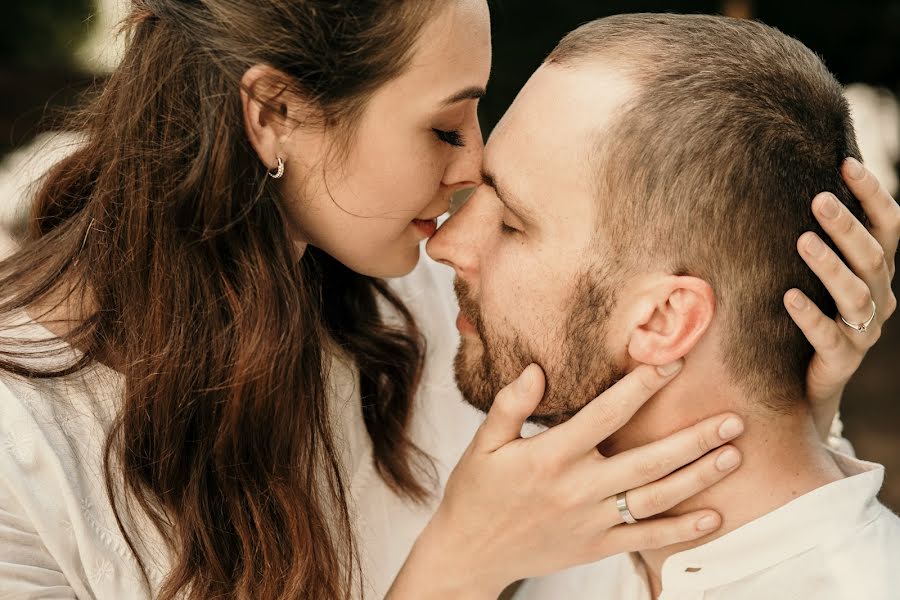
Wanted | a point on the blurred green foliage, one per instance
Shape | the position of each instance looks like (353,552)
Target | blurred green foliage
(42,34)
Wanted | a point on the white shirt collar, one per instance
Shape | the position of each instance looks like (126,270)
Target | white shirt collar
(799,525)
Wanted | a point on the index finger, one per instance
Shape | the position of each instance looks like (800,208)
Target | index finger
(609,411)
(880,206)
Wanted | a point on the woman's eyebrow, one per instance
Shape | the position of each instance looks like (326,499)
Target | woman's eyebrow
(473,92)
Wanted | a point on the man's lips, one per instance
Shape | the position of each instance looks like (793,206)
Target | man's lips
(464,325)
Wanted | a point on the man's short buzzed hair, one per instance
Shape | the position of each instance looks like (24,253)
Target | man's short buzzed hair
(710,170)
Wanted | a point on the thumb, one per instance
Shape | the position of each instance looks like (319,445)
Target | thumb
(512,406)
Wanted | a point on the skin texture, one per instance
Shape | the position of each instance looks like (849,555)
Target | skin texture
(357,203)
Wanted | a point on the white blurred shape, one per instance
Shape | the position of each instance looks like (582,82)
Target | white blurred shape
(876,118)
(104,48)
(20,173)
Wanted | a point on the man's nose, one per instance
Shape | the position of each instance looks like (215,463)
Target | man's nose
(456,244)
(464,170)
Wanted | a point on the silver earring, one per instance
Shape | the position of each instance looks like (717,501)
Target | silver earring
(279,171)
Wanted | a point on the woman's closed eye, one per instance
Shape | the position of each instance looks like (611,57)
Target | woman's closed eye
(453,137)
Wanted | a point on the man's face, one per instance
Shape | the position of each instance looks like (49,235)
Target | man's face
(534,278)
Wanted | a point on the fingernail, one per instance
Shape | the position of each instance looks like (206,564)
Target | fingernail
(670,369)
(828,206)
(707,523)
(728,460)
(731,428)
(854,169)
(815,246)
(797,300)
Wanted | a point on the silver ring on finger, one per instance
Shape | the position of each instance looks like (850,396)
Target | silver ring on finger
(622,506)
(861,327)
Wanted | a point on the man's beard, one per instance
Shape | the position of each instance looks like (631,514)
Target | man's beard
(577,368)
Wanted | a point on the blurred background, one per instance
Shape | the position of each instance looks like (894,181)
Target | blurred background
(53,52)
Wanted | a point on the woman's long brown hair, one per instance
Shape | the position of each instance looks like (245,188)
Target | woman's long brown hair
(165,220)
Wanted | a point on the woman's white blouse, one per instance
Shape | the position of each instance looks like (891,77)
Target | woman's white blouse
(58,535)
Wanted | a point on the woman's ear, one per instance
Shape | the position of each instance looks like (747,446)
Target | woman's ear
(671,319)
(265,107)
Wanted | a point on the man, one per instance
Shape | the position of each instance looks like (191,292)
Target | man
(640,203)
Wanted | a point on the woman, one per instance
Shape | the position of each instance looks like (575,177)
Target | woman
(210,392)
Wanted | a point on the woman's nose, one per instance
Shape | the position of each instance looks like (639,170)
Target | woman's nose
(464,169)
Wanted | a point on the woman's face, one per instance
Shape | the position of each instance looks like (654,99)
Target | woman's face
(417,143)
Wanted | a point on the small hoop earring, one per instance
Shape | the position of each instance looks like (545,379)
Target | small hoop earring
(279,171)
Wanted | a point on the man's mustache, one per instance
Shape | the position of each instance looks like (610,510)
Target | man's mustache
(467,306)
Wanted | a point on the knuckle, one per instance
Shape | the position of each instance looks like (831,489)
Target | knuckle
(845,221)
(540,470)
(862,299)
(835,268)
(876,260)
(869,185)
(547,467)
(815,319)
(819,371)
(655,503)
(891,305)
(651,538)
(706,477)
(704,445)
(874,335)
(559,501)
(649,469)
(827,336)
(668,463)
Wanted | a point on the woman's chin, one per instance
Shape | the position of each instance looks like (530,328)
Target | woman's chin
(397,264)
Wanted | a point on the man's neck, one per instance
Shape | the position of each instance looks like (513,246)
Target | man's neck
(783,457)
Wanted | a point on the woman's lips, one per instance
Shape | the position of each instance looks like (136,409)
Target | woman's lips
(426,228)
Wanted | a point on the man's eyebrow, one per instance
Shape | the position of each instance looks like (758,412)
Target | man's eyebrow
(508,200)
(473,92)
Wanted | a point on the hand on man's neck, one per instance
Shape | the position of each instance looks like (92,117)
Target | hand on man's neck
(783,457)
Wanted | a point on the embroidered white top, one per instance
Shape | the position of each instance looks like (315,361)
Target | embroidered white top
(58,535)
(834,543)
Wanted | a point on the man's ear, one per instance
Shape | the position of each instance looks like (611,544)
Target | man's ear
(670,318)
(266,110)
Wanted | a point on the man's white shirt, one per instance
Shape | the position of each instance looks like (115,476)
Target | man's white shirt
(837,542)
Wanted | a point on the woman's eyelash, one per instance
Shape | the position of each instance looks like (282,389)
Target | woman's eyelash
(454,138)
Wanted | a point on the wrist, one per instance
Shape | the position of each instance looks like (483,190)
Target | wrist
(824,416)
(440,566)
